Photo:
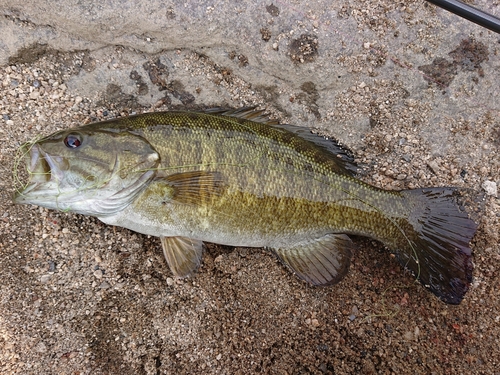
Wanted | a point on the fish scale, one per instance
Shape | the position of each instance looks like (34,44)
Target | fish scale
(268,174)
(234,178)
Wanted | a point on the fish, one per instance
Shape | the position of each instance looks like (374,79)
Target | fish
(236,178)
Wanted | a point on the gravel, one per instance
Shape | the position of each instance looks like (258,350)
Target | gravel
(80,297)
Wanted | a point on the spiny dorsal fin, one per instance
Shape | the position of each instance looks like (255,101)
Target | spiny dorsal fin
(195,187)
(322,261)
(246,113)
(182,254)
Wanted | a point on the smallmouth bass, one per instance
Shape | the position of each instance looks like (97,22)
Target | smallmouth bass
(234,178)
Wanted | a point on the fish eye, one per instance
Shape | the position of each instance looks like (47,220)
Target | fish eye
(73,141)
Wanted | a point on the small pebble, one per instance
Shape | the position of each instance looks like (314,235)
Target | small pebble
(104,285)
(490,188)
(433,165)
(98,273)
(45,279)
(408,336)
(416,333)
(41,347)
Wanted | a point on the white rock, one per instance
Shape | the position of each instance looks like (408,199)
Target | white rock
(98,273)
(45,279)
(490,188)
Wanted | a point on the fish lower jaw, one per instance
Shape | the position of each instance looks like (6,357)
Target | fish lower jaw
(25,191)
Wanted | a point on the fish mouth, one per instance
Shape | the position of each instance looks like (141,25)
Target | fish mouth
(40,172)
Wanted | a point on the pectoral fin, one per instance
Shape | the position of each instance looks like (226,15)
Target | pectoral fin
(195,187)
(183,254)
(322,261)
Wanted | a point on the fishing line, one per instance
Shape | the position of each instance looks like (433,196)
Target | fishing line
(21,153)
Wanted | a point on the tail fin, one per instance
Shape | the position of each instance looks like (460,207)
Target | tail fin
(438,251)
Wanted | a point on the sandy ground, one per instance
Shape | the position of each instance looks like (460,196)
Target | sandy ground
(80,297)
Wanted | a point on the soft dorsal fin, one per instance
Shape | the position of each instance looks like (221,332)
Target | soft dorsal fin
(246,113)
(182,254)
(322,261)
(194,187)
(345,158)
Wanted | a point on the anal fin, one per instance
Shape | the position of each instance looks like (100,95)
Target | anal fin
(321,261)
(182,254)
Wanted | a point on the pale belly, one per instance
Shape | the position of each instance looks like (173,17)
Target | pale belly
(211,228)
